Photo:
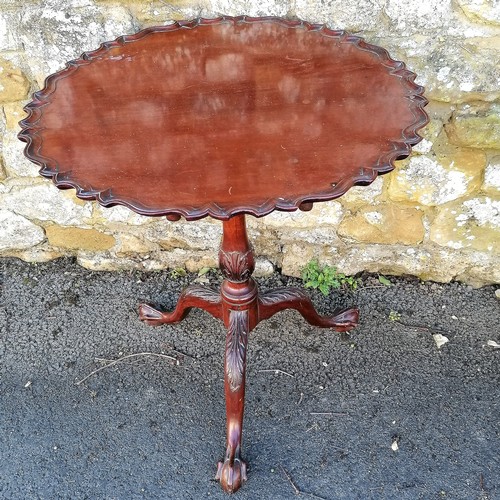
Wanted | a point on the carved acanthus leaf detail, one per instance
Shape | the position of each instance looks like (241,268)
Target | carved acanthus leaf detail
(236,266)
(282,295)
(236,346)
(203,292)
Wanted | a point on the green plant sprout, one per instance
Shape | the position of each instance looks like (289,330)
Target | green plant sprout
(178,272)
(383,280)
(394,316)
(203,271)
(326,277)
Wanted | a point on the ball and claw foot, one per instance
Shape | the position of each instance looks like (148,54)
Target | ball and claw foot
(150,315)
(231,475)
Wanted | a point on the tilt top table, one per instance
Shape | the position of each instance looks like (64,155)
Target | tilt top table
(226,117)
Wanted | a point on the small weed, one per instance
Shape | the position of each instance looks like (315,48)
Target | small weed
(178,272)
(326,277)
(394,316)
(204,270)
(384,281)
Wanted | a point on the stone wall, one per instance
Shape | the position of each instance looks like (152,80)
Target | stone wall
(436,216)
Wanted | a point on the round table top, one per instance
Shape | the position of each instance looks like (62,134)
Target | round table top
(224,116)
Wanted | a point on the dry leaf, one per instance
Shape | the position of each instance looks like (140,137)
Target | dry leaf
(493,344)
(440,340)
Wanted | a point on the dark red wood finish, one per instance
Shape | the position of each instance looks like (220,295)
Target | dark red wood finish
(225,117)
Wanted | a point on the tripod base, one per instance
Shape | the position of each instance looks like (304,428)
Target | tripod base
(241,307)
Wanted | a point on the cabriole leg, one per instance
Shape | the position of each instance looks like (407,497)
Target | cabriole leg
(232,472)
(193,296)
(270,303)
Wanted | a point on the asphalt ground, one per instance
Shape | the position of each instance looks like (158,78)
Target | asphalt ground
(382,413)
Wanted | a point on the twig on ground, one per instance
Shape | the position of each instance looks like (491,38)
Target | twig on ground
(170,348)
(313,426)
(481,485)
(128,356)
(296,489)
(319,392)
(301,398)
(423,328)
(328,413)
(276,371)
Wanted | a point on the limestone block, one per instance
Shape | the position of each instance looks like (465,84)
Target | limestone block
(128,244)
(363,15)
(452,70)
(13,113)
(250,8)
(315,236)
(46,203)
(3,174)
(158,12)
(418,17)
(265,241)
(479,269)
(110,262)
(386,259)
(39,253)
(194,264)
(15,162)
(429,135)
(155,261)
(16,232)
(327,213)
(263,267)
(388,224)
(481,11)
(12,147)
(364,194)
(76,238)
(52,35)
(178,257)
(14,85)
(438,264)
(430,180)
(119,214)
(200,235)
(8,39)
(473,223)
(475,126)
(492,176)
(296,256)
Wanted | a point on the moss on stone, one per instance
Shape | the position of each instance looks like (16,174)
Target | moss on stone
(476,126)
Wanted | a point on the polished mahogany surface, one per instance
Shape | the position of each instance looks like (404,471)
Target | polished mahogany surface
(225,116)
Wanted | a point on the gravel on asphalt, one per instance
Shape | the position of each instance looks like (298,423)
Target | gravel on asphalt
(380,413)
